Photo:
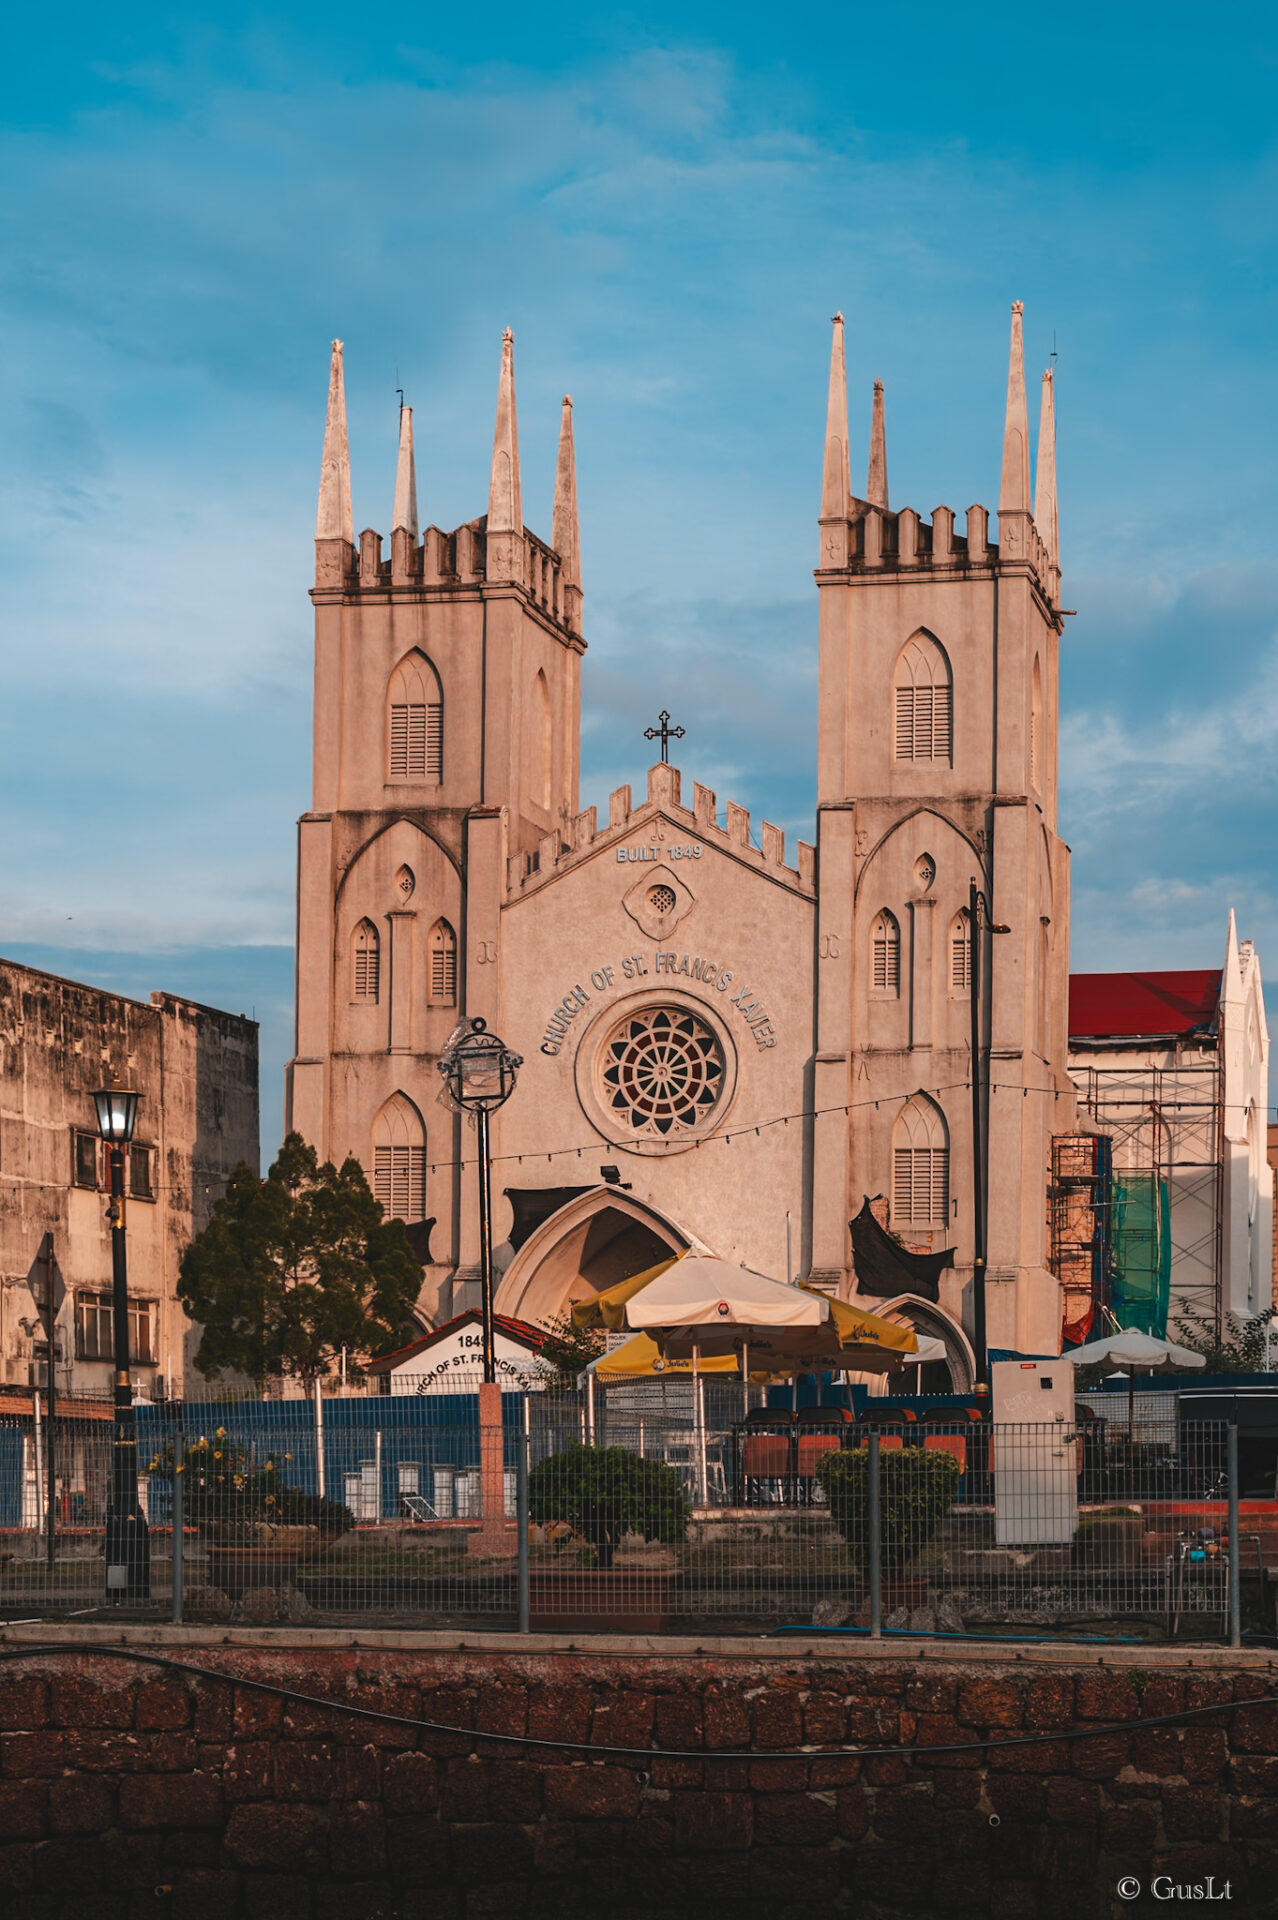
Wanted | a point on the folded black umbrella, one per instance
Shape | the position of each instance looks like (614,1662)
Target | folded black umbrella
(884,1268)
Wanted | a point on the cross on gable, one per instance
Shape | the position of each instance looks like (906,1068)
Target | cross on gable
(664,732)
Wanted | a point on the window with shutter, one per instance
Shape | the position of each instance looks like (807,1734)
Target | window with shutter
(885,954)
(86,1160)
(140,1173)
(399,1160)
(416,721)
(366,962)
(443,965)
(920,1166)
(960,956)
(923,704)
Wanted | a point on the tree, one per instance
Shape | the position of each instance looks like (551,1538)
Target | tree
(295,1267)
(1240,1345)
(570,1350)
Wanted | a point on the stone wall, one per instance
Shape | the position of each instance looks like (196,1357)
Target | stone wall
(128,1792)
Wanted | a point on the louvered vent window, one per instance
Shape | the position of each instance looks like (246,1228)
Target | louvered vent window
(923,723)
(416,740)
(443,965)
(399,1181)
(920,1184)
(885,957)
(366,962)
(960,956)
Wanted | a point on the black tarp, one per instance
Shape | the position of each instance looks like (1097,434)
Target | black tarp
(883,1268)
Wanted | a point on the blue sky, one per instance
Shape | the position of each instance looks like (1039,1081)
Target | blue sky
(666,208)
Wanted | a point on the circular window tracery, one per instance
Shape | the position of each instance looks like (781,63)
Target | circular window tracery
(662,899)
(662,1071)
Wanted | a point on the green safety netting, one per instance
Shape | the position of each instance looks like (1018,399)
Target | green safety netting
(1141,1252)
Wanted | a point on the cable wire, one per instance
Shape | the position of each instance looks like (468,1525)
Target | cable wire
(598,1749)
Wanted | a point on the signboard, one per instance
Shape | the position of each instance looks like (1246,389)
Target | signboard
(455,1364)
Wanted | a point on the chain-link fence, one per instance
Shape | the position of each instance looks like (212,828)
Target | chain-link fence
(637,1515)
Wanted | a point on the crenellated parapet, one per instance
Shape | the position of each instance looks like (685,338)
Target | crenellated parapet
(582,837)
(873,540)
(495,551)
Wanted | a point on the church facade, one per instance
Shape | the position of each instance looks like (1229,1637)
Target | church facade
(728,1045)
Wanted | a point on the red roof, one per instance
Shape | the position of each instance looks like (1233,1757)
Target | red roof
(1144,1003)
(518,1330)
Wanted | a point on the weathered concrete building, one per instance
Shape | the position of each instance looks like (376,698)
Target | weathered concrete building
(724,1049)
(196,1070)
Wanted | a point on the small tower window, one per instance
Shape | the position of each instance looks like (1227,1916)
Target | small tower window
(443,965)
(366,962)
(920,1166)
(885,954)
(923,707)
(416,722)
(399,1161)
(960,954)
(1036,728)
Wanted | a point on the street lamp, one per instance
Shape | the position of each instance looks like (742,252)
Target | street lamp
(128,1546)
(480,1071)
(978,919)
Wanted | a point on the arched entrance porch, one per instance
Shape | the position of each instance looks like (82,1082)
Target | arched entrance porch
(595,1240)
(955,1374)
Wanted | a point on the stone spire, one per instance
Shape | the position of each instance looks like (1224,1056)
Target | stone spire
(1014,490)
(565,535)
(876,486)
(505,502)
(334,520)
(404,516)
(1045,473)
(836,484)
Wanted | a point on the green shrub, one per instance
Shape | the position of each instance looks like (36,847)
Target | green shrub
(602,1493)
(916,1491)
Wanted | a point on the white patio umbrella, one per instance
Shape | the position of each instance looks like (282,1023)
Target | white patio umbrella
(1132,1353)
(711,1307)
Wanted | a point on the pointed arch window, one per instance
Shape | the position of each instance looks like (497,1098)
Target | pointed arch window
(922,703)
(960,954)
(1036,728)
(885,954)
(442,961)
(366,963)
(415,721)
(920,1166)
(399,1160)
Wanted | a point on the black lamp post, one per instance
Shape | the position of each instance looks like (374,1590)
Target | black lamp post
(480,1070)
(978,920)
(128,1545)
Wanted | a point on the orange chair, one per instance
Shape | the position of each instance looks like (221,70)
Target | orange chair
(951,1443)
(766,1456)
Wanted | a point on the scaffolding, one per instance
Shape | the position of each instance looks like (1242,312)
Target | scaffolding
(1080,1199)
(1164,1126)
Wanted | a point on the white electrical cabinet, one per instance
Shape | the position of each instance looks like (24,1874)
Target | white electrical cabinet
(1034,1453)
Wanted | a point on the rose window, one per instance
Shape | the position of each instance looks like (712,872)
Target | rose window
(662,899)
(663,1072)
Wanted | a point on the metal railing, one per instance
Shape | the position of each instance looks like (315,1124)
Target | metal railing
(638,1517)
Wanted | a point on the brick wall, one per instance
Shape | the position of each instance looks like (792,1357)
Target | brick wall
(128,1793)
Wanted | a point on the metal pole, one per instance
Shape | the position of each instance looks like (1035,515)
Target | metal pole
(521,1519)
(377,1477)
(486,1248)
(128,1544)
(874,1544)
(1235,1594)
(979,1250)
(37,1437)
(699,1403)
(179,1517)
(319,1441)
(51,1522)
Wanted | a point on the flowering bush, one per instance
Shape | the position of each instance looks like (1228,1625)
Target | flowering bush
(231,1501)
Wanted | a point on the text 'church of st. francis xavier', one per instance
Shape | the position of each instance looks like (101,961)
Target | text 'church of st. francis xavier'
(737,1036)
